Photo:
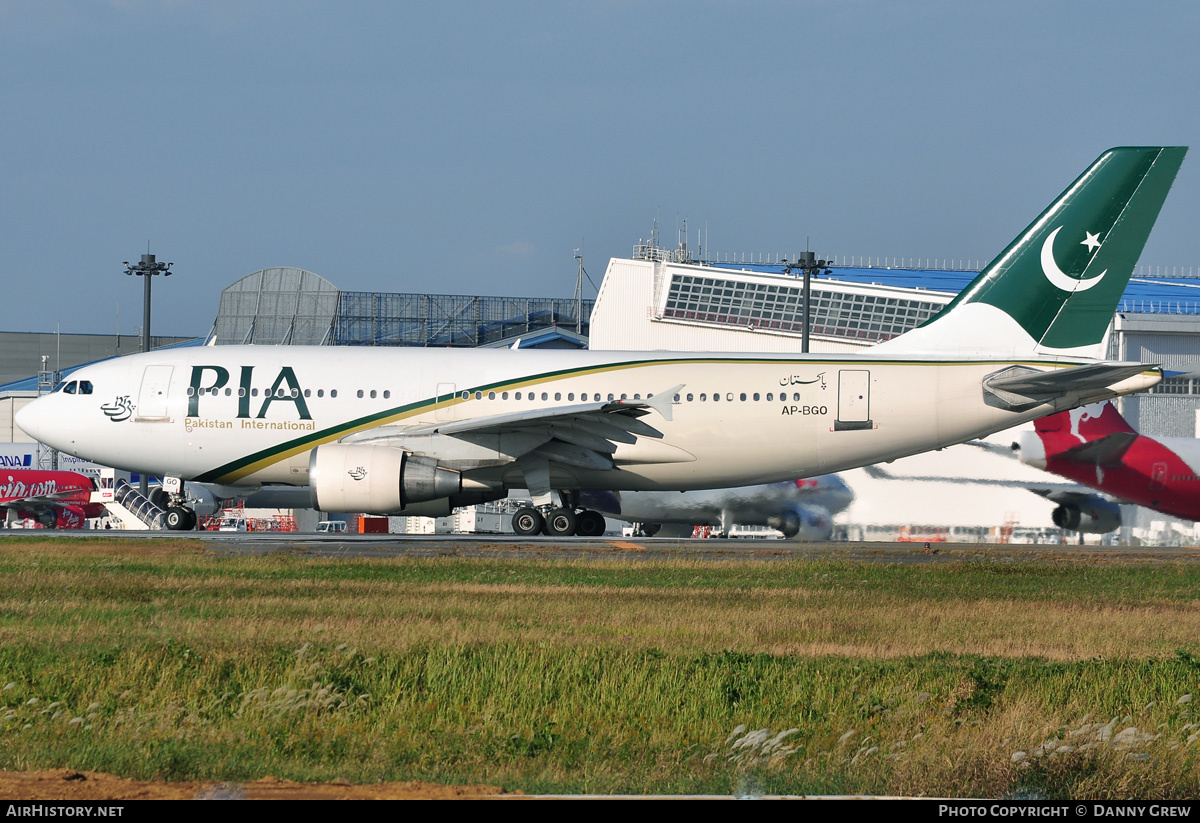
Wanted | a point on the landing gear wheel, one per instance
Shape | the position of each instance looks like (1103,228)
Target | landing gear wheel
(191,520)
(527,521)
(649,529)
(589,523)
(560,523)
(177,518)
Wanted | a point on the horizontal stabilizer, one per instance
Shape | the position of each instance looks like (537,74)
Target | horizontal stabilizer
(1020,388)
(1066,381)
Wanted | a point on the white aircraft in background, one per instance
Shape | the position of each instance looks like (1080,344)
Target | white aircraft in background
(798,508)
(421,431)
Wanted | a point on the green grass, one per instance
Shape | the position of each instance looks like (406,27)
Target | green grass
(972,679)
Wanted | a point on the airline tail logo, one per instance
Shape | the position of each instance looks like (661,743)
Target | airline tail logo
(1082,425)
(1060,279)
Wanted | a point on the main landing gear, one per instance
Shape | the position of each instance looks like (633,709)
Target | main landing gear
(178,517)
(558,522)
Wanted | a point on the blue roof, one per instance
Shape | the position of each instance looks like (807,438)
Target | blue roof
(1148,295)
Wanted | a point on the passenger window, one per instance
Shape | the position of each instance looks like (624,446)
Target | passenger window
(517,396)
(545,396)
(716,397)
(755,397)
(466,395)
(571,395)
(320,393)
(703,397)
(770,396)
(491,395)
(254,392)
(478,395)
(229,392)
(191,392)
(610,398)
(360,392)
(503,395)
(558,395)
(690,397)
(386,394)
(333,392)
(372,394)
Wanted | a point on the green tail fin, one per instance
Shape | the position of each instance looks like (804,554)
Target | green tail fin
(1062,278)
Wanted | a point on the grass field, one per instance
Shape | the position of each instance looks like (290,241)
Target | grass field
(974,679)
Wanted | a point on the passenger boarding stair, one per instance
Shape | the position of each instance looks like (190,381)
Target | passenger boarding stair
(135,512)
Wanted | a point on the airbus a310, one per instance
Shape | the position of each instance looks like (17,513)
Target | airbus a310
(420,431)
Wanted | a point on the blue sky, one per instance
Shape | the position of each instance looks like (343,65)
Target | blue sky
(469,148)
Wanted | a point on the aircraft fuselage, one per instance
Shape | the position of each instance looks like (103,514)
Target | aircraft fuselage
(251,414)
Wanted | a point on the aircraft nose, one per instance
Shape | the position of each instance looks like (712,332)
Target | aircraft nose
(28,419)
(1030,450)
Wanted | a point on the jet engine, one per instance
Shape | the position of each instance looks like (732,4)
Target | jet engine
(1093,516)
(376,479)
(804,522)
(59,517)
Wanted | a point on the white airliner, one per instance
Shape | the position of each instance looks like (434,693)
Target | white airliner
(419,431)
(802,509)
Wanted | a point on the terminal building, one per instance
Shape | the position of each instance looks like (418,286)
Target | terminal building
(664,299)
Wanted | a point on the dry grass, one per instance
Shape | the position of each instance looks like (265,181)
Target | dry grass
(602,675)
(86,605)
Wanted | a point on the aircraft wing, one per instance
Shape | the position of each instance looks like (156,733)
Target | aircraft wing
(37,500)
(584,435)
(1054,492)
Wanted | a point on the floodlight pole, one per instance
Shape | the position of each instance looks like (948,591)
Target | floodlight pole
(808,264)
(147,268)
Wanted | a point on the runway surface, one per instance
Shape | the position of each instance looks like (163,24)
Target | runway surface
(507,546)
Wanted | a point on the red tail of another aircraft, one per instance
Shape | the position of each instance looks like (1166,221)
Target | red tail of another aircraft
(1095,446)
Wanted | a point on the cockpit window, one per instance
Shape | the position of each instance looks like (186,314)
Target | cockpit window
(85,386)
(70,387)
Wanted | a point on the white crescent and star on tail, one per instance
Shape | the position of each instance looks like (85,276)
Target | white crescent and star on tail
(1057,277)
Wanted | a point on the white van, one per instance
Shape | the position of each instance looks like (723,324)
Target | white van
(232,524)
(331,527)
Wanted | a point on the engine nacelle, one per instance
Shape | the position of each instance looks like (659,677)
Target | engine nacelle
(376,479)
(61,516)
(1093,516)
(804,522)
